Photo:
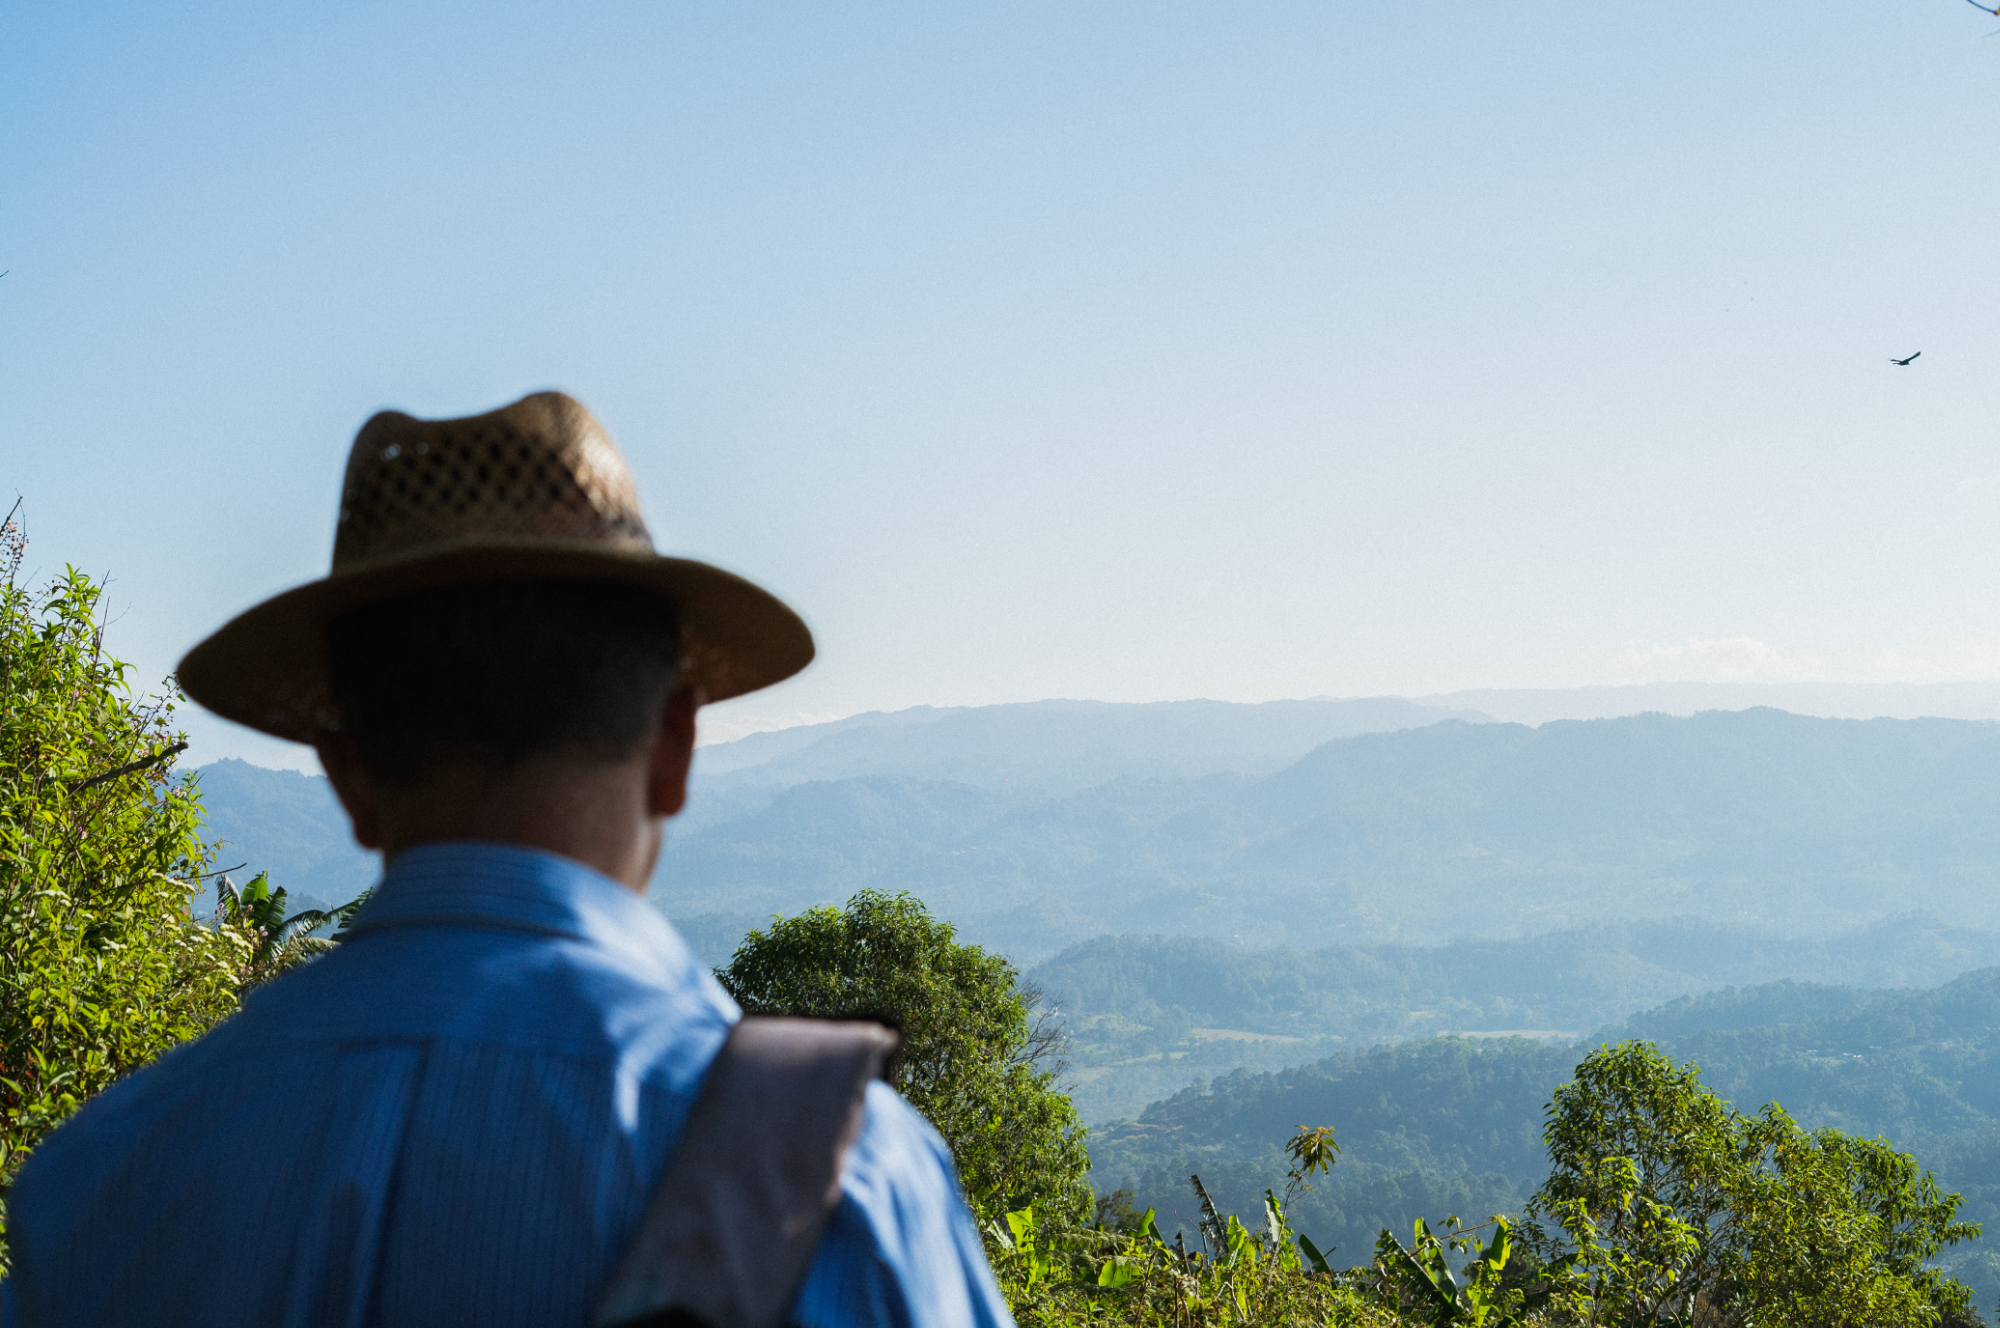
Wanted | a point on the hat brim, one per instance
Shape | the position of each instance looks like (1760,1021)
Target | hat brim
(267,666)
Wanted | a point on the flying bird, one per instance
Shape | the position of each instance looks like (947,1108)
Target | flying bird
(1894,360)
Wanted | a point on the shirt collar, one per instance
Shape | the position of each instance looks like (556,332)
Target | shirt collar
(470,883)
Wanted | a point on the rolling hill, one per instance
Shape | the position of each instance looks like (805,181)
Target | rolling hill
(1147,1014)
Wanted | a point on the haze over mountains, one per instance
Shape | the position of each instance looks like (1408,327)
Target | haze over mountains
(291,823)
(1826,700)
(1304,823)
(1057,746)
(1418,835)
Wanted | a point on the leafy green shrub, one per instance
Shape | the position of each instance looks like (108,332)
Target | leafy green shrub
(1058,1277)
(102,966)
(279,941)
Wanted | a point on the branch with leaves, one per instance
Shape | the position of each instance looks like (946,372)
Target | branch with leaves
(130,767)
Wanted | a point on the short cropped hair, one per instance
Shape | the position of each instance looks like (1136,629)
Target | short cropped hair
(493,674)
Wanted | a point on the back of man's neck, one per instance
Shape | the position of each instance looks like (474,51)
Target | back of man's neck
(594,814)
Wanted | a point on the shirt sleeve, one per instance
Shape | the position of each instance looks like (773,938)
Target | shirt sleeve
(902,1250)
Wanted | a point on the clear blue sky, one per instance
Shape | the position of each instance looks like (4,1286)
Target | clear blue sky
(1132,351)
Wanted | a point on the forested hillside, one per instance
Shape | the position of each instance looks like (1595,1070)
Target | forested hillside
(1454,1125)
(1147,1014)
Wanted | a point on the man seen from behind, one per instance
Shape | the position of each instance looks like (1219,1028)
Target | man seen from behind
(460,1115)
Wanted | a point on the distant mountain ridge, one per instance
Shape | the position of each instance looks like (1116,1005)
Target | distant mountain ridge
(1058,746)
(1784,821)
(291,824)
(1404,834)
(1822,700)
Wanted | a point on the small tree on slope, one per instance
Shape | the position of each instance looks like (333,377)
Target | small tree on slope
(972,1061)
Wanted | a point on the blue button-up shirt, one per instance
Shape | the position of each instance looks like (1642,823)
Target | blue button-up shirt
(457,1117)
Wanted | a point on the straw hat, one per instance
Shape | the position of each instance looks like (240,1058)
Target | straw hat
(532,490)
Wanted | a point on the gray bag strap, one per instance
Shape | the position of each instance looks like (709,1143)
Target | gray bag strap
(736,1216)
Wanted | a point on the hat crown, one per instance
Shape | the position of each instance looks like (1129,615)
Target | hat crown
(533,491)
(542,470)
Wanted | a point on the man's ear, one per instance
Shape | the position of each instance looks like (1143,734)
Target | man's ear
(357,792)
(673,754)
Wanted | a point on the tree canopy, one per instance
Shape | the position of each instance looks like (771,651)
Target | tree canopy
(973,1061)
(1669,1203)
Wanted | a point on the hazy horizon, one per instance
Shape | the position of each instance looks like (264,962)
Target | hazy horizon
(1527,705)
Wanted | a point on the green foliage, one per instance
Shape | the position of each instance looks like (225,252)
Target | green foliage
(1313,1153)
(1117,1212)
(1664,1206)
(1448,1125)
(1241,1275)
(278,941)
(1417,1279)
(1671,1205)
(101,965)
(1057,1276)
(973,1058)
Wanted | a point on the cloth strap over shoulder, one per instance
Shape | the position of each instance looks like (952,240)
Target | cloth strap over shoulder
(736,1216)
